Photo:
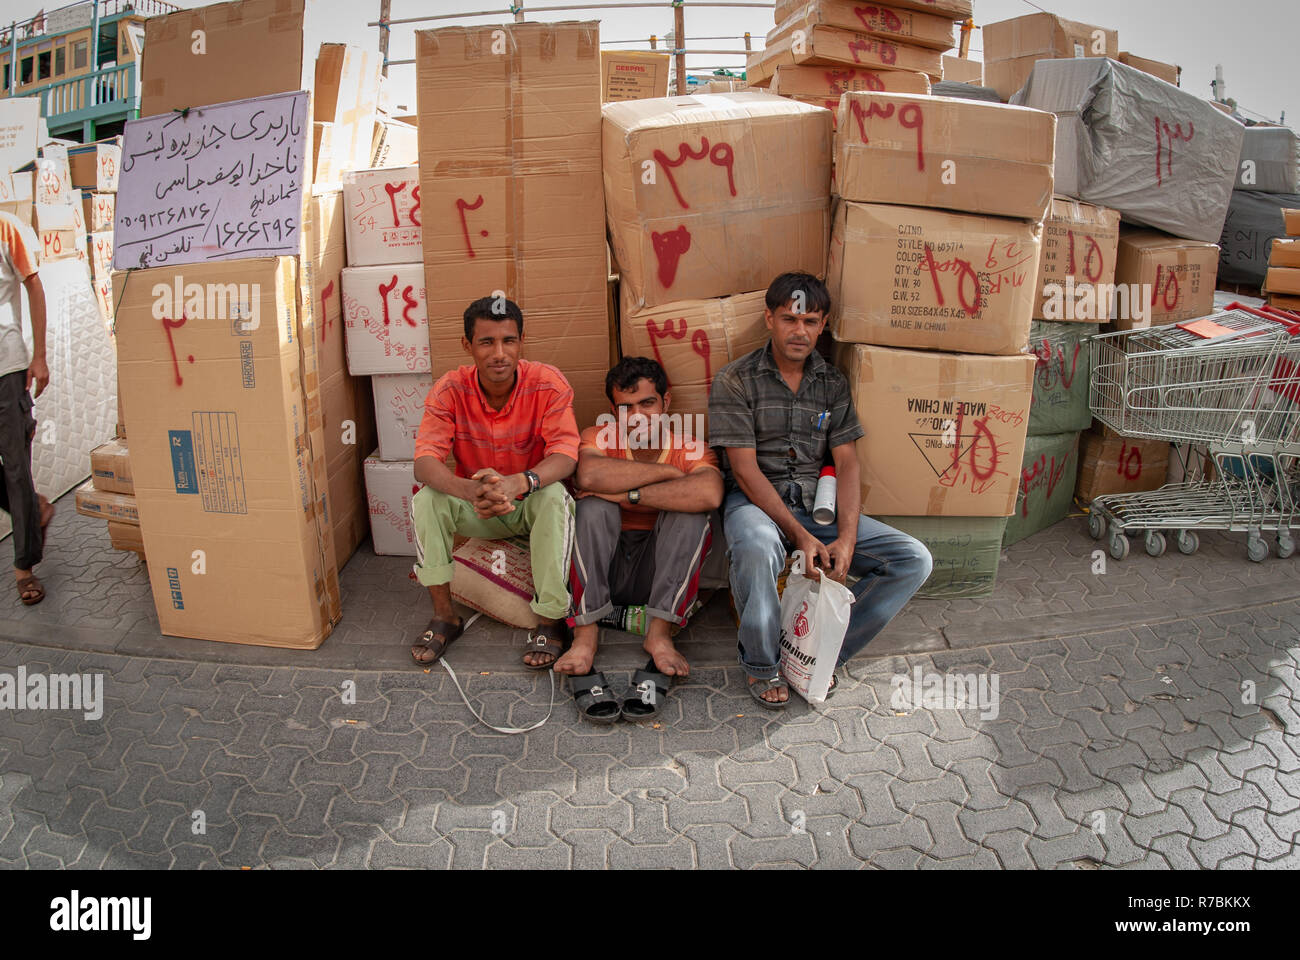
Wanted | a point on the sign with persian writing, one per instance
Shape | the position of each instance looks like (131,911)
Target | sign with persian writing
(213,183)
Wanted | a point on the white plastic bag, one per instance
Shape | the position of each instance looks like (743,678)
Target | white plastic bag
(814,619)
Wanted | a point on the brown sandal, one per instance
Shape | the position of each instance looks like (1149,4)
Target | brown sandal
(436,639)
(544,638)
(30,583)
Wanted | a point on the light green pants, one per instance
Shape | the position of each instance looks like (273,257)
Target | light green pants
(546,518)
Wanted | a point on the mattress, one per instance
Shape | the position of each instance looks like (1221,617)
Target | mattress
(78,410)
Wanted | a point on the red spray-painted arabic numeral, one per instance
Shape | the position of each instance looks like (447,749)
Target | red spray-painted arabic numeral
(720,155)
(411,304)
(461,207)
(393,189)
(840,81)
(909,118)
(669,248)
(410,214)
(981,434)
(965,272)
(888,52)
(1165,140)
(168,326)
(1130,461)
(675,329)
(871,16)
(1171,286)
(1047,377)
(324,308)
(384,291)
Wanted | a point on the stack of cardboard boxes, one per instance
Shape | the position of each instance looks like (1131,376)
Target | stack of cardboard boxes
(226,331)
(385,318)
(509,130)
(933,271)
(95,168)
(1284,266)
(820,49)
(1012,47)
(110,493)
(709,198)
(633,75)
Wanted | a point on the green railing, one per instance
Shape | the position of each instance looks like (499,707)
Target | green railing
(108,91)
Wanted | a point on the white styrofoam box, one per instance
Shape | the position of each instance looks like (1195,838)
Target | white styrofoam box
(382,223)
(385,319)
(390,486)
(399,408)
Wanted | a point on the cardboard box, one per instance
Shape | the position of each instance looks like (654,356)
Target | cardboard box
(929,279)
(965,550)
(950,9)
(888,23)
(126,536)
(1109,463)
(963,155)
(390,486)
(1047,37)
(1047,477)
(16,195)
(101,253)
(59,216)
(633,75)
(53,180)
(829,82)
(110,468)
(97,210)
(386,319)
(1077,270)
(1285,253)
(1292,219)
(712,224)
(961,70)
(104,503)
(19,121)
(222,459)
(1167,72)
(394,144)
(383,216)
(692,340)
(945,433)
(1285,303)
(348,421)
(346,94)
(326,171)
(250,48)
(803,43)
(62,245)
(1061,376)
(399,408)
(1159,155)
(509,166)
(1175,278)
(95,166)
(1284,280)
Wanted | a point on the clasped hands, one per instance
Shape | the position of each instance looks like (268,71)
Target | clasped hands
(494,495)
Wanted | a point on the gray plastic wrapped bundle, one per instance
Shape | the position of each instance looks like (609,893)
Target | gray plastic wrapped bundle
(1060,403)
(1269,161)
(1159,155)
(1254,219)
(964,91)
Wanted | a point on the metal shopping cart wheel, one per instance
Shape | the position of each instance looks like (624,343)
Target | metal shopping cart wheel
(1096,525)
(1187,541)
(1155,543)
(1285,545)
(1118,544)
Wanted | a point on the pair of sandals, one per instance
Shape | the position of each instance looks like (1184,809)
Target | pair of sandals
(30,583)
(756,690)
(644,701)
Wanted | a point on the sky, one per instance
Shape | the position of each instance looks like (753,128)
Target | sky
(1256,41)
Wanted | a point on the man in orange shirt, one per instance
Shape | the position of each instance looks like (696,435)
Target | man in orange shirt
(509,422)
(21,369)
(645,488)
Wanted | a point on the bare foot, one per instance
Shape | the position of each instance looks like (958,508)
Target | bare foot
(667,660)
(577,661)
(776,695)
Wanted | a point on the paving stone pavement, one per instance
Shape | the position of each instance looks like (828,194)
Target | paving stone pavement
(1147,717)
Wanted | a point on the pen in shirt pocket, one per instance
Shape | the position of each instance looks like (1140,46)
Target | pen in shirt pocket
(822,420)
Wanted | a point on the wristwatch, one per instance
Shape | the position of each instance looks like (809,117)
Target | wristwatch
(634,496)
(534,484)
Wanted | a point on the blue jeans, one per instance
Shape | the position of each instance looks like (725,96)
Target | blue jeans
(892,566)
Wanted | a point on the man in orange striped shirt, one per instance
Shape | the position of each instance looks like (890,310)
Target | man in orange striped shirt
(509,424)
(21,368)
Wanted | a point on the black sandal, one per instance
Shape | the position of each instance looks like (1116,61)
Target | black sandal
(648,694)
(594,700)
(436,639)
(544,638)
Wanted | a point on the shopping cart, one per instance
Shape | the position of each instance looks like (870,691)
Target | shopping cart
(1227,388)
